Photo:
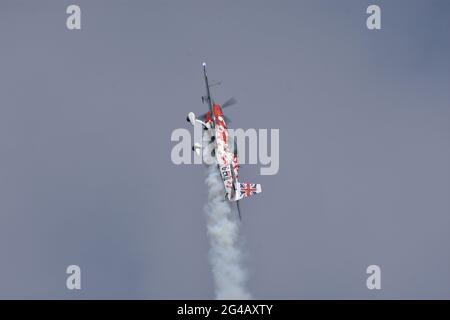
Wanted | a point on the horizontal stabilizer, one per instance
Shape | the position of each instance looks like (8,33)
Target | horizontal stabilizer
(245,190)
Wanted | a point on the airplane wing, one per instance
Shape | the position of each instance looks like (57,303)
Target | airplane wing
(234,174)
(235,159)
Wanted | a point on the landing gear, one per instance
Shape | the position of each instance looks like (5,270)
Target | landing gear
(197,148)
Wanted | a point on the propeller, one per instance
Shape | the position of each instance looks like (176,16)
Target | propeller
(227,120)
(229,103)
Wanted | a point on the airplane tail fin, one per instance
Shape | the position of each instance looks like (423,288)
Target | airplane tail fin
(245,190)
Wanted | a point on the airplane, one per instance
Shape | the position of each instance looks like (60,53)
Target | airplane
(215,122)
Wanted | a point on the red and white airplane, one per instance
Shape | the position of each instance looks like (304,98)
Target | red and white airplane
(227,159)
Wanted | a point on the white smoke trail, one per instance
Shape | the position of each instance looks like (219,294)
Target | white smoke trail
(223,230)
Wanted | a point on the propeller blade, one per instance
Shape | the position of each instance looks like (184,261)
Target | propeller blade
(227,120)
(229,103)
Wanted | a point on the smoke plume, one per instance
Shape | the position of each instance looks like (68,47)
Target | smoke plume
(223,231)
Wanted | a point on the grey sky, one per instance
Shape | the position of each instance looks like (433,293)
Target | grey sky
(85,124)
